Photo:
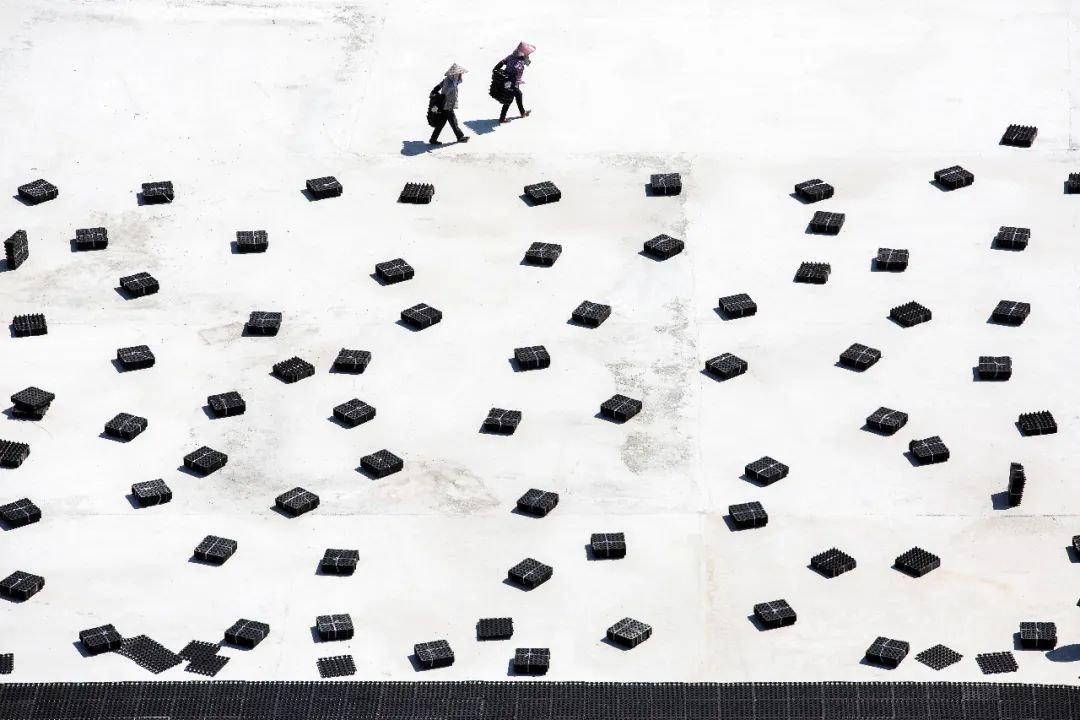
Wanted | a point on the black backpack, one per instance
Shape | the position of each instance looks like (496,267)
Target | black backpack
(434,108)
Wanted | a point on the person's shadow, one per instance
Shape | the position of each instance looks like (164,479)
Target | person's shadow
(482,127)
(412,148)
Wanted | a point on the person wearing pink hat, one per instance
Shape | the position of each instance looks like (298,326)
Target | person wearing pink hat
(515,64)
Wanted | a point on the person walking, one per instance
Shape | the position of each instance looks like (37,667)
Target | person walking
(515,64)
(448,94)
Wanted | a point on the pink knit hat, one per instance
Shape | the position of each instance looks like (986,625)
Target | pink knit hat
(525,49)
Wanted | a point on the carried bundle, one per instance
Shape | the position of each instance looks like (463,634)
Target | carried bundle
(501,88)
(434,111)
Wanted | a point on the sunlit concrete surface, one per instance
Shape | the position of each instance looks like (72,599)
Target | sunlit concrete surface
(239,103)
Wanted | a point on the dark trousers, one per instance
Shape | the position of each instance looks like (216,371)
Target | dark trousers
(447,116)
(521,106)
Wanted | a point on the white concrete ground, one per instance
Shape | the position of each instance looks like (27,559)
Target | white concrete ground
(238,103)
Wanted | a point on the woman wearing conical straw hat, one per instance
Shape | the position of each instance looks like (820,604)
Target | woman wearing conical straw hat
(448,94)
